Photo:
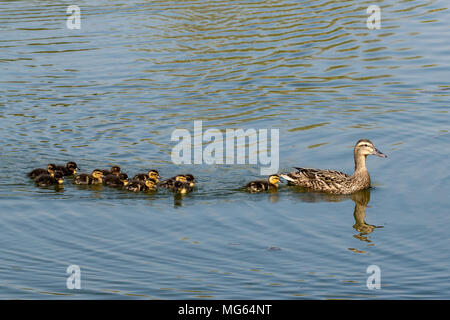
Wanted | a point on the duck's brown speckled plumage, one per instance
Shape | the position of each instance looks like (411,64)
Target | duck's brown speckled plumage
(337,182)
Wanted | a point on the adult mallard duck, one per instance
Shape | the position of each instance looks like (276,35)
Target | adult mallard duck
(96,177)
(261,185)
(336,182)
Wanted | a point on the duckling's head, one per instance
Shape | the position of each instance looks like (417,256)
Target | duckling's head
(115,170)
(97,174)
(51,168)
(190,179)
(150,183)
(123,177)
(72,166)
(364,147)
(154,175)
(59,176)
(274,179)
(180,187)
(181,178)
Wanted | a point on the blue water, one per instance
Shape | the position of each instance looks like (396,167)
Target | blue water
(115,90)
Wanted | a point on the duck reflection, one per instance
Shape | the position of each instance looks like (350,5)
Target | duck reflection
(361,200)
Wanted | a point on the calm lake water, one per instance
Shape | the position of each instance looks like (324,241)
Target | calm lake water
(115,90)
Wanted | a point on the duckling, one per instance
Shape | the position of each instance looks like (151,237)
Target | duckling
(184,178)
(115,170)
(69,169)
(181,187)
(112,180)
(152,174)
(94,178)
(336,182)
(261,185)
(46,180)
(39,171)
(137,185)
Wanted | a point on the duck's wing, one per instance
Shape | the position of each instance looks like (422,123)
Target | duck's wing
(256,186)
(321,180)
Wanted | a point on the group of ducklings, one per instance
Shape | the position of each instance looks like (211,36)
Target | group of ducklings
(317,180)
(114,177)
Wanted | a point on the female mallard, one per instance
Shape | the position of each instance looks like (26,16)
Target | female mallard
(151,174)
(69,169)
(261,185)
(112,180)
(96,177)
(137,185)
(115,170)
(334,181)
(46,180)
(39,171)
(183,178)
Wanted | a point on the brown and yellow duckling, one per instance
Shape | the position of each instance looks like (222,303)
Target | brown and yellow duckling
(112,180)
(137,185)
(336,182)
(263,185)
(47,180)
(184,178)
(181,187)
(151,174)
(39,171)
(96,177)
(69,169)
(115,170)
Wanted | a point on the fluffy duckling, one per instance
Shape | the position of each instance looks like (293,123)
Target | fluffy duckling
(39,171)
(151,174)
(96,177)
(136,185)
(112,180)
(181,187)
(184,178)
(115,170)
(46,180)
(261,185)
(69,169)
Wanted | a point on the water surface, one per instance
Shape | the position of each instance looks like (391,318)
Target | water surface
(114,91)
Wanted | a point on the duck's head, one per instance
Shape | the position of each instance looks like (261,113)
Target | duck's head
(190,179)
(123,177)
(115,170)
(51,169)
(97,174)
(59,176)
(181,178)
(150,183)
(154,175)
(274,179)
(365,147)
(72,166)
